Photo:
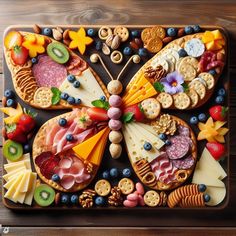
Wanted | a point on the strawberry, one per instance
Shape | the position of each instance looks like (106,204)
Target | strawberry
(97,114)
(218,112)
(136,110)
(15,133)
(26,121)
(19,55)
(216,149)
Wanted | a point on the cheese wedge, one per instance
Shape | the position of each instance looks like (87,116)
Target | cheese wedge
(14,173)
(217,195)
(30,193)
(16,165)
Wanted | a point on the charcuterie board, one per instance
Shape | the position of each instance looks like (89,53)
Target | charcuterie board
(128,117)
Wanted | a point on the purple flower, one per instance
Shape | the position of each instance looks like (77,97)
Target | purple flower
(173,83)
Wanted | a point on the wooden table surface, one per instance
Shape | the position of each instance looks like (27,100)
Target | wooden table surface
(222,13)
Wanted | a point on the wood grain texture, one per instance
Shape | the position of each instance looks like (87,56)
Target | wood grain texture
(128,12)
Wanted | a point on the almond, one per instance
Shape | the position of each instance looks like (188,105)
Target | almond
(180,32)
(66,42)
(57,35)
(167,40)
(60,29)
(36,29)
(66,34)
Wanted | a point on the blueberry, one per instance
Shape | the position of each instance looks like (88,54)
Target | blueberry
(202,117)
(100,201)
(106,174)
(135,33)
(182,53)
(172,32)
(207,198)
(142,52)
(188,29)
(56,178)
(62,122)
(71,100)
(196,28)
(221,92)
(69,137)
(167,142)
(202,188)
(98,45)
(77,101)
(114,172)
(212,72)
(71,78)
(219,100)
(11,103)
(126,172)
(91,32)
(65,199)
(47,31)
(76,84)
(74,199)
(103,98)
(34,60)
(9,94)
(26,148)
(162,136)
(127,51)
(147,146)
(193,120)
(64,96)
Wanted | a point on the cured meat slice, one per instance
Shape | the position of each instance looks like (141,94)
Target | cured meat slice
(48,73)
(65,163)
(67,181)
(179,147)
(183,130)
(76,66)
(76,168)
(48,169)
(40,159)
(185,163)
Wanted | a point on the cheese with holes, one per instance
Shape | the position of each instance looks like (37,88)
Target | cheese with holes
(217,195)
(88,91)
(85,148)
(32,184)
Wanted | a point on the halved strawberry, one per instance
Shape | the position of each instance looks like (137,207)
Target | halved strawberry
(217,150)
(218,112)
(15,133)
(97,114)
(136,110)
(19,55)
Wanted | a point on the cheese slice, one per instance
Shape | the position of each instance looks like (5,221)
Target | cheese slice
(202,177)
(210,165)
(85,148)
(15,165)
(9,183)
(24,184)
(217,195)
(32,184)
(96,155)
(147,127)
(13,173)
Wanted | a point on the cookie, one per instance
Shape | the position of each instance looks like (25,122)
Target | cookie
(126,186)
(165,99)
(199,88)
(210,81)
(187,71)
(146,35)
(154,45)
(181,101)
(104,32)
(190,60)
(102,187)
(43,97)
(160,61)
(151,108)
(193,97)
(151,198)
(158,31)
(123,32)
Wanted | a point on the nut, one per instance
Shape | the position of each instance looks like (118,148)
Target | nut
(115,150)
(57,198)
(60,29)
(109,39)
(115,199)
(86,198)
(105,49)
(115,136)
(136,59)
(116,42)
(116,57)
(57,35)
(115,87)
(36,29)
(167,40)
(104,32)
(180,32)
(66,42)
(155,74)
(66,34)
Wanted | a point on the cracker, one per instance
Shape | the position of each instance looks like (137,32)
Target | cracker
(178,63)
(210,81)
(151,107)
(190,60)
(158,31)
(188,71)
(151,198)
(165,99)
(181,101)
(160,61)
(102,187)
(193,97)
(43,97)
(154,45)
(146,35)
(171,66)
(199,88)
(122,32)
(126,186)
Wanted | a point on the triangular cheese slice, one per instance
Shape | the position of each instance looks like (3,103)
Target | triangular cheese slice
(85,148)
(32,185)
(217,195)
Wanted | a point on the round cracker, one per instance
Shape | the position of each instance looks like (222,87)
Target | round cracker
(209,79)
(190,60)
(151,108)
(154,45)
(151,198)
(102,187)
(199,88)
(146,35)
(160,61)
(188,71)
(165,99)
(126,186)
(158,31)
(193,97)
(43,97)
(122,32)
(181,101)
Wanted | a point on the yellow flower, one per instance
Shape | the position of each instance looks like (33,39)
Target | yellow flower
(213,40)
(79,40)
(34,43)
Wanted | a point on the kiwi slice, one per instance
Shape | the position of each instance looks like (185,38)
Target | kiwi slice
(44,195)
(58,52)
(13,151)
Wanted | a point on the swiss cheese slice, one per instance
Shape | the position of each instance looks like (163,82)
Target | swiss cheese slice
(32,184)
(217,195)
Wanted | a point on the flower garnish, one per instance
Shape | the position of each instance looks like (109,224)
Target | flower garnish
(173,83)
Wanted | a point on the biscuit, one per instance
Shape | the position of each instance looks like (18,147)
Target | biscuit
(165,99)
(181,175)
(193,201)
(190,60)
(151,198)
(181,101)
(193,97)
(43,97)
(123,32)
(151,108)
(199,88)
(163,199)
(158,31)
(104,32)
(102,187)
(146,35)
(210,81)
(126,186)
(160,61)
(187,71)
(149,178)
(154,45)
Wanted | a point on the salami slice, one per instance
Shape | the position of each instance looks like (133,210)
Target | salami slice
(48,73)
(76,66)
(185,163)
(184,131)
(179,147)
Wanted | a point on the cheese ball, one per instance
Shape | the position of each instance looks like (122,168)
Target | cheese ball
(115,136)
(115,150)
(115,87)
